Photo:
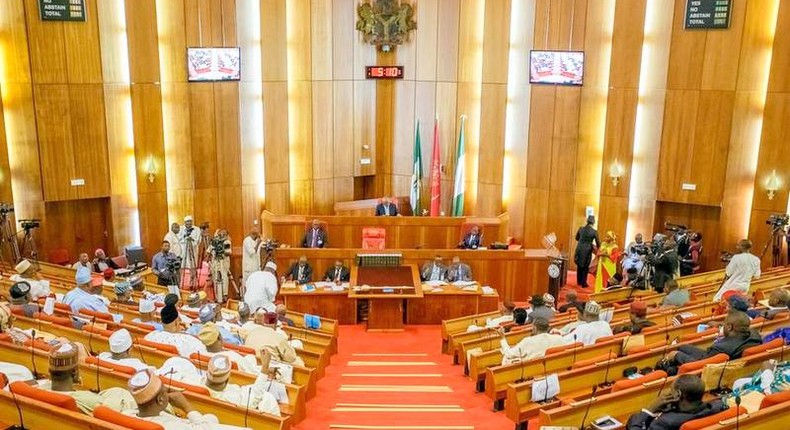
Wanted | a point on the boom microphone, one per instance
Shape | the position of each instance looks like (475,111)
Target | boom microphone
(589,404)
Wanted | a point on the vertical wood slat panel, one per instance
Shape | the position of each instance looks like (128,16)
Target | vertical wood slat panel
(55,141)
(89,139)
(47,48)
(142,37)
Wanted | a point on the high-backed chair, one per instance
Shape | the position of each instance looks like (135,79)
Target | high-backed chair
(374,238)
(60,256)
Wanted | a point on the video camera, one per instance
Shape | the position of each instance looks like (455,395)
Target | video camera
(641,248)
(29,224)
(675,228)
(5,209)
(220,246)
(778,220)
(173,263)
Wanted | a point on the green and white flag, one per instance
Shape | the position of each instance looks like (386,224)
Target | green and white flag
(460,173)
(416,176)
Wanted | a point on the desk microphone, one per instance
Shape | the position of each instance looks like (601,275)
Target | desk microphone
(33,353)
(738,412)
(574,351)
(247,408)
(21,425)
(608,365)
(546,379)
(98,363)
(589,404)
(521,365)
(90,335)
(721,376)
(765,318)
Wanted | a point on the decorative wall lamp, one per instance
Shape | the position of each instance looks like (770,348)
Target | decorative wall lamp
(151,170)
(772,185)
(616,171)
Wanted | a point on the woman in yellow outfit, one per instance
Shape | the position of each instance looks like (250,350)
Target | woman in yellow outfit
(608,255)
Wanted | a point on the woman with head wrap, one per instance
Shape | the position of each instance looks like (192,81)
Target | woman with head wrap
(608,255)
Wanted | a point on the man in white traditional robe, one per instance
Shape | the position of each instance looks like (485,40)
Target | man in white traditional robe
(173,236)
(592,328)
(742,268)
(250,255)
(252,396)
(261,288)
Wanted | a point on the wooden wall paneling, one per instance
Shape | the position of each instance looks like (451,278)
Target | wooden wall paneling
(541,126)
(773,154)
(674,165)
(364,113)
(321,31)
(406,54)
(89,139)
(143,41)
(89,222)
(627,39)
(565,138)
(612,215)
(273,40)
(444,104)
(448,28)
(300,149)
(778,80)
(496,42)
(382,145)
(363,54)
(228,140)
(152,209)
(172,27)
(275,149)
(343,35)
(46,46)
(619,140)
(82,48)
(15,53)
(711,142)
(228,24)
(230,215)
(426,40)
(720,61)
(55,141)
(203,135)
(343,134)
(704,219)
(410,98)
(685,61)
(535,215)
(468,103)
(323,151)
(207,202)
(492,149)
(177,132)
(6,191)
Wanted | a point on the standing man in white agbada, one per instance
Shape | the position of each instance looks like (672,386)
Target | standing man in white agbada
(250,255)
(189,240)
(742,268)
(261,288)
(172,236)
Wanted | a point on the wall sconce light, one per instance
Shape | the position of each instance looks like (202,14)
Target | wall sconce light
(151,170)
(772,185)
(616,171)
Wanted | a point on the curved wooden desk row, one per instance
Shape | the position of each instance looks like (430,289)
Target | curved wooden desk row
(516,275)
(401,232)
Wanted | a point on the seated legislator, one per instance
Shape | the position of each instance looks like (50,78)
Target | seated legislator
(87,293)
(531,346)
(506,315)
(738,336)
(172,334)
(253,396)
(261,288)
(676,296)
(386,208)
(772,378)
(778,302)
(677,406)
(25,271)
(540,309)
(639,321)
(210,336)
(300,272)
(102,262)
(21,299)
(434,270)
(458,271)
(123,293)
(282,316)
(211,313)
(315,236)
(154,397)
(147,308)
(572,301)
(264,335)
(83,261)
(591,327)
(337,273)
(120,348)
(473,239)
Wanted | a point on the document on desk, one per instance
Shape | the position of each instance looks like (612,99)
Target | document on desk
(435,283)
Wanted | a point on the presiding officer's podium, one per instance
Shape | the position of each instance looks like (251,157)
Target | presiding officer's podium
(386,285)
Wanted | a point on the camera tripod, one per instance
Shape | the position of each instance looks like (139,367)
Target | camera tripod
(8,240)
(775,241)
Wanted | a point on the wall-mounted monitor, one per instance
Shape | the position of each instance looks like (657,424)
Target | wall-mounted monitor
(556,67)
(214,64)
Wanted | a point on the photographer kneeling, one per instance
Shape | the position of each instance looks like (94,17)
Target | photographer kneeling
(165,266)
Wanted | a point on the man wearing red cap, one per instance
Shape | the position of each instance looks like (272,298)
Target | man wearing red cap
(265,336)
(638,318)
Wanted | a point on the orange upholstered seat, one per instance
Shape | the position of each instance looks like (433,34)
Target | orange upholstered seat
(203,359)
(106,414)
(374,238)
(630,383)
(698,365)
(160,346)
(775,399)
(776,343)
(56,399)
(561,348)
(197,389)
(38,344)
(110,365)
(608,338)
(97,331)
(53,319)
(99,315)
(240,348)
(595,360)
(701,423)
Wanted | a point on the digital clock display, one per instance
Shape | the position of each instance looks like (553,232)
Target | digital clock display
(384,72)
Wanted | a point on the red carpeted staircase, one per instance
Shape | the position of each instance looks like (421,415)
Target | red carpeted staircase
(397,380)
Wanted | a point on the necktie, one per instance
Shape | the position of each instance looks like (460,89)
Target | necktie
(435,274)
(337,274)
(301,273)
(387,210)
(315,239)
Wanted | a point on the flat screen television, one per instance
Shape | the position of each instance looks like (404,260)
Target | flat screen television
(556,67)
(214,64)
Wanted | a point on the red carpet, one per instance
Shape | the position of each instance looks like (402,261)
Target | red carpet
(467,409)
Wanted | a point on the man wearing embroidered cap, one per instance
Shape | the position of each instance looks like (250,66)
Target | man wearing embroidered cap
(195,301)
(210,313)
(210,336)
(264,335)
(120,351)
(20,299)
(153,397)
(25,271)
(86,294)
(123,292)
(253,396)
(147,309)
(172,335)
(189,240)
(261,288)
(591,327)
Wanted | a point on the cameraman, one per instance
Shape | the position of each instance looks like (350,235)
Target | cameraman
(665,263)
(189,239)
(219,250)
(165,266)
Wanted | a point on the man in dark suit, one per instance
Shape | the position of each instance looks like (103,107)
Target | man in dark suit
(315,236)
(473,239)
(337,273)
(587,240)
(301,272)
(458,271)
(676,406)
(386,208)
(434,270)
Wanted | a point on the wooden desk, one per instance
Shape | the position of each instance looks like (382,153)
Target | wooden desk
(402,232)
(515,275)
(329,304)
(385,309)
